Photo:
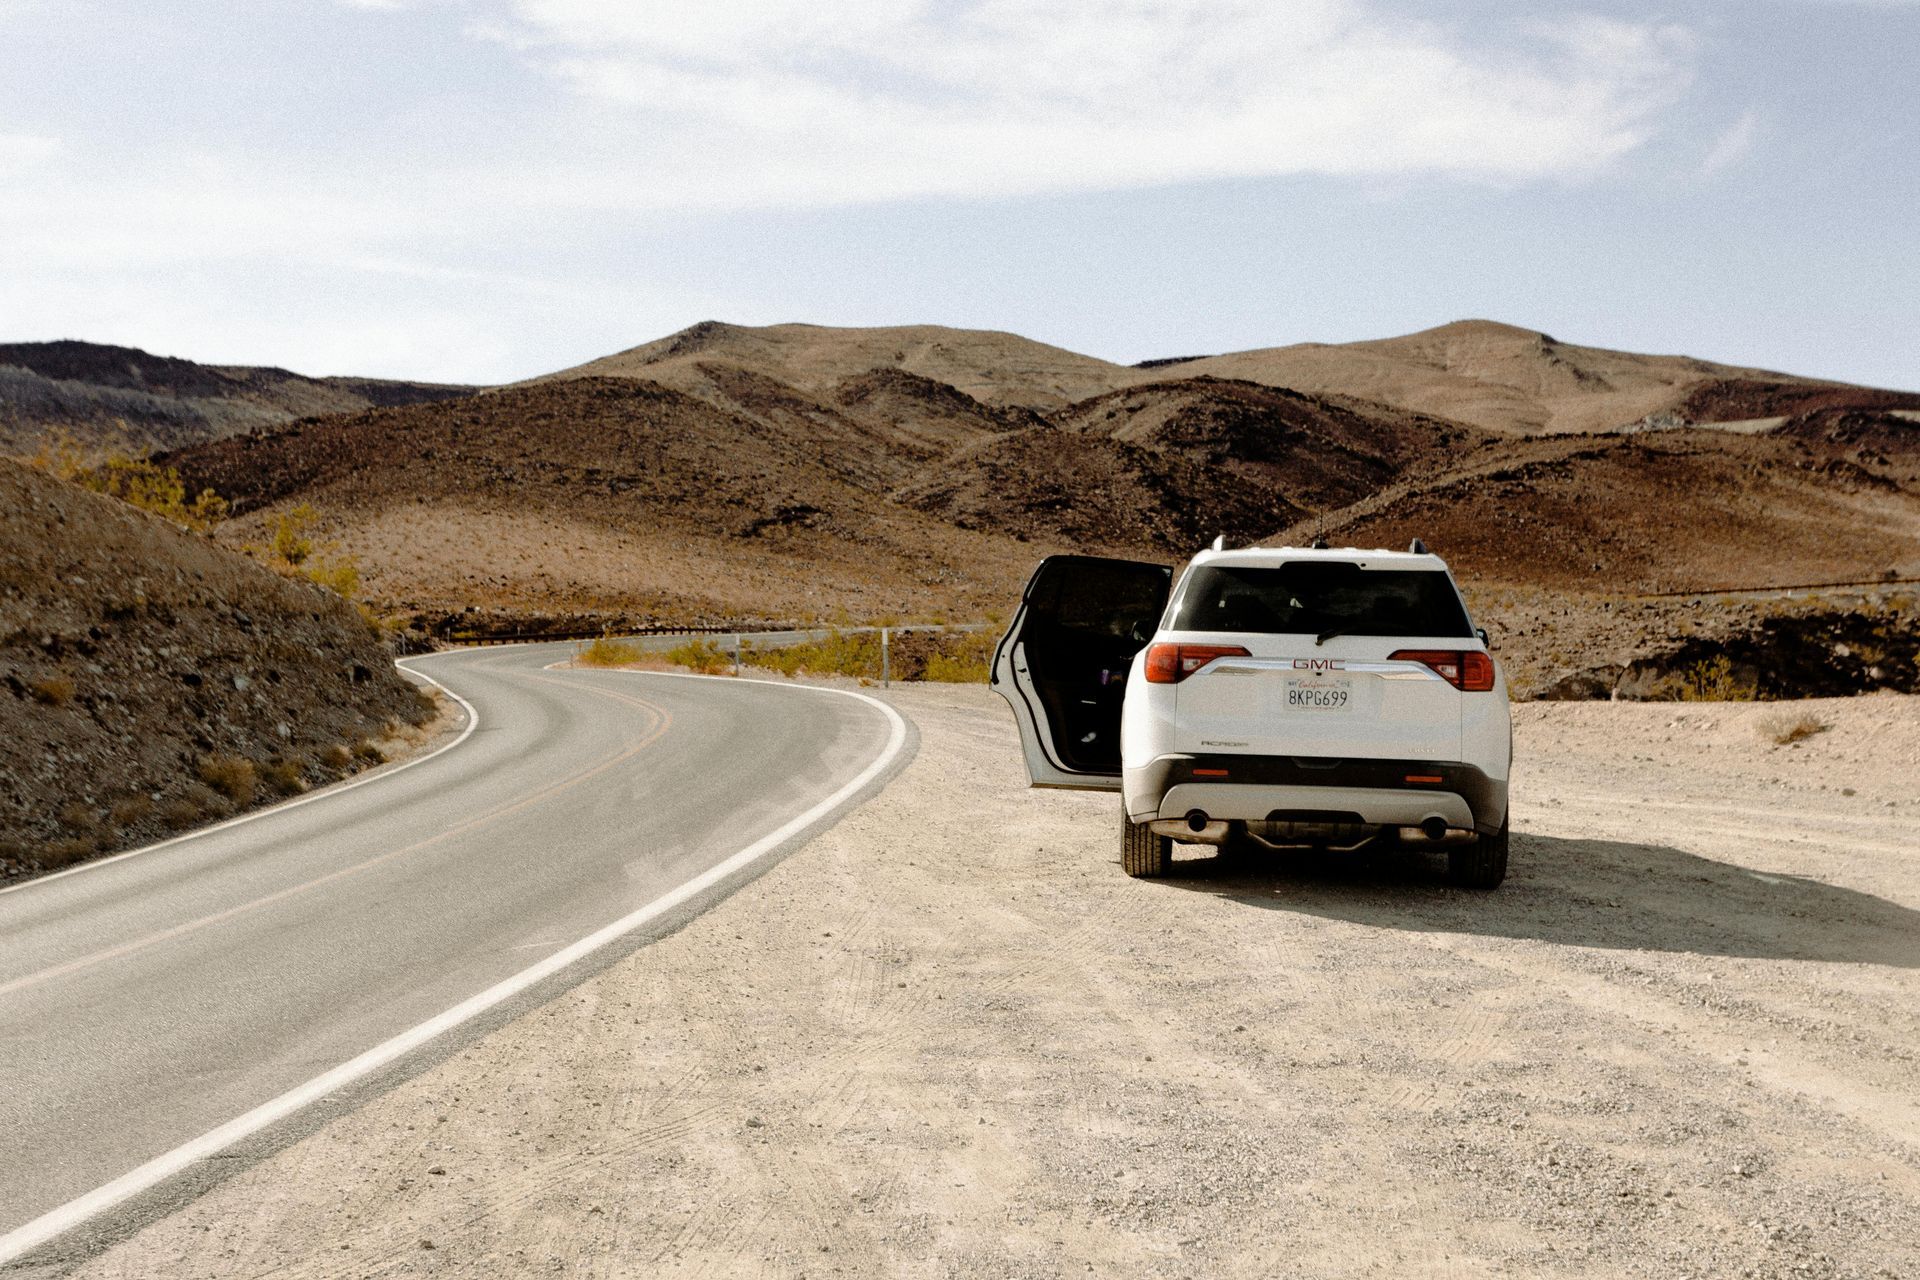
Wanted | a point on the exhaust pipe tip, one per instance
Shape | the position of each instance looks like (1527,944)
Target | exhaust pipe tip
(1197,820)
(1435,829)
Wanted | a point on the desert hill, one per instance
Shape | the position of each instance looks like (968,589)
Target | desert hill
(1167,466)
(614,497)
(1499,377)
(1519,381)
(745,497)
(124,398)
(1656,511)
(153,680)
(742,497)
(1000,369)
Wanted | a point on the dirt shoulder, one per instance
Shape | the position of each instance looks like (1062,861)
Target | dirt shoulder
(950,1038)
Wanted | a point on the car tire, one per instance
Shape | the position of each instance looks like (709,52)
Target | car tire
(1481,865)
(1144,854)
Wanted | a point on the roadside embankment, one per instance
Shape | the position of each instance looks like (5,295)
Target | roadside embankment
(152,682)
(948,1037)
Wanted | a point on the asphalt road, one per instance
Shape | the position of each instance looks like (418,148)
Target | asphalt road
(147,1002)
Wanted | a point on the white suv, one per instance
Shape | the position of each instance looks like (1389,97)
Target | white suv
(1279,696)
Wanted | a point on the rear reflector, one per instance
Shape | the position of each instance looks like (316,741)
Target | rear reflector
(1425,777)
(1470,670)
(1209,773)
(1172,663)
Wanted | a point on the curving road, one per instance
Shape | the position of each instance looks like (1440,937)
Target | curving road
(158,1008)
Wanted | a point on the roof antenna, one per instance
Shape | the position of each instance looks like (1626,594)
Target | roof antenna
(1319,542)
(1418,548)
(1219,542)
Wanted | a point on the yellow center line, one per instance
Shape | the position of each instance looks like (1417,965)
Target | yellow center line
(662,720)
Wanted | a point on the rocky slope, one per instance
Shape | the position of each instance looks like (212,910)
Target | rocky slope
(107,397)
(151,681)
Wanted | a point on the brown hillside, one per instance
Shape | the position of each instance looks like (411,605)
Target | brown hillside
(613,496)
(994,368)
(1496,376)
(137,658)
(923,416)
(1170,465)
(758,487)
(1650,511)
(1746,399)
(1312,451)
(1079,489)
(108,397)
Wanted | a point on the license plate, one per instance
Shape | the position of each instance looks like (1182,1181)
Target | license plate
(1319,695)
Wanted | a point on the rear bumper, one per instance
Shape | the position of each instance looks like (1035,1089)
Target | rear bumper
(1375,792)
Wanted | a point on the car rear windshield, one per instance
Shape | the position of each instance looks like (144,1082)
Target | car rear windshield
(1321,598)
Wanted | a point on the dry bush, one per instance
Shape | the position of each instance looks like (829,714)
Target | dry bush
(1713,680)
(1791,726)
(61,853)
(367,752)
(703,656)
(129,810)
(336,757)
(292,535)
(841,653)
(294,552)
(949,656)
(77,817)
(285,777)
(230,776)
(966,657)
(608,652)
(180,813)
(138,482)
(339,574)
(426,704)
(52,691)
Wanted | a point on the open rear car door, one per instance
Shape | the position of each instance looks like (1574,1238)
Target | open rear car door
(1062,666)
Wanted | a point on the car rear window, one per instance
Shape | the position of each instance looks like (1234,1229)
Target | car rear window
(1319,597)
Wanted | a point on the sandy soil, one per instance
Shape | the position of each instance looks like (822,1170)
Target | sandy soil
(950,1038)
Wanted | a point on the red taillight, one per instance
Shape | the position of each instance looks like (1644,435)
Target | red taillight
(1470,670)
(1172,663)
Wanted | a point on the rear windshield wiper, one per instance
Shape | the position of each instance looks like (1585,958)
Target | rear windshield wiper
(1325,636)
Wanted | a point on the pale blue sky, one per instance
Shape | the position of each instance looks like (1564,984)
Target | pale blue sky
(481,190)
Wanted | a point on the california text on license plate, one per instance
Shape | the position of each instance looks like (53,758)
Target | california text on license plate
(1319,695)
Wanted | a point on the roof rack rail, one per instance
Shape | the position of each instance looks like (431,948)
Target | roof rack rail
(1219,542)
(1418,547)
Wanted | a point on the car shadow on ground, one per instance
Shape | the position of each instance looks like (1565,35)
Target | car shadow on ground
(1581,893)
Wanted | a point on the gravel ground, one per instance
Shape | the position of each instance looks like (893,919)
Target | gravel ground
(950,1038)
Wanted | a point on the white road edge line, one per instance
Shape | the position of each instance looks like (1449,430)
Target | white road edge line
(473,722)
(71,1214)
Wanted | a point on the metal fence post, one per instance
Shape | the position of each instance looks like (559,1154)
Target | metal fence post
(886,664)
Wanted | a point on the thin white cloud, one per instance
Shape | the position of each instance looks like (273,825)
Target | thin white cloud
(1733,145)
(752,101)
(464,196)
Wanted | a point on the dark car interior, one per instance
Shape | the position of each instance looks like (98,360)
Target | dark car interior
(1086,619)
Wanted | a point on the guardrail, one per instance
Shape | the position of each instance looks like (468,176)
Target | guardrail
(549,637)
(596,633)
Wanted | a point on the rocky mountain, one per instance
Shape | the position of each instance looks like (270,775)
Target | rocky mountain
(734,473)
(106,397)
